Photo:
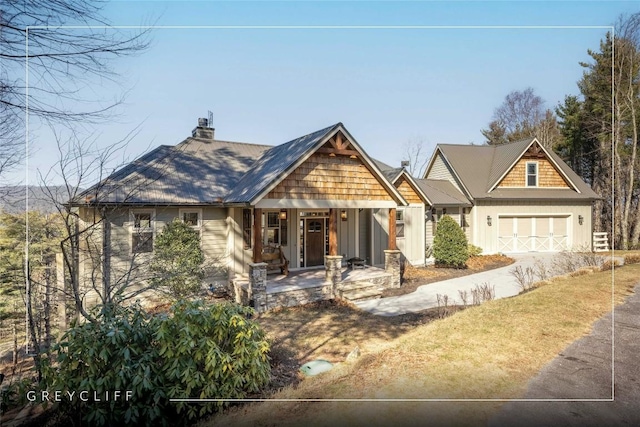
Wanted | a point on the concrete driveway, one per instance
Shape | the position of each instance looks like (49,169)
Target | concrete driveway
(426,296)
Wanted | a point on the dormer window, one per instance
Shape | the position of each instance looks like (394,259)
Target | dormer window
(532,174)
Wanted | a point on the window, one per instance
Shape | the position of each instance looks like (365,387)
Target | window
(246,228)
(192,217)
(142,232)
(464,218)
(399,223)
(276,230)
(532,174)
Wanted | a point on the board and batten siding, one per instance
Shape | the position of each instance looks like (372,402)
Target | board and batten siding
(440,170)
(347,234)
(239,256)
(412,245)
(485,236)
(364,240)
(380,237)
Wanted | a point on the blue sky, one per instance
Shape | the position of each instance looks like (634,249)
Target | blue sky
(388,86)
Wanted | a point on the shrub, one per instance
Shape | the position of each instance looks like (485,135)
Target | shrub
(212,351)
(632,259)
(610,265)
(450,246)
(524,277)
(199,351)
(177,263)
(474,250)
(115,353)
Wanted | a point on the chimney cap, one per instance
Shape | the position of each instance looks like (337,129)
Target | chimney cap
(203,122)
(405,163)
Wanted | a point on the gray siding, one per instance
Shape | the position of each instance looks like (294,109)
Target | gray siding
(364,225)
(380,240)
(240,257)
(412,244)
(440,170)
(347,234)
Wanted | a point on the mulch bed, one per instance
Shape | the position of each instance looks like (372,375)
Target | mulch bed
(414,277)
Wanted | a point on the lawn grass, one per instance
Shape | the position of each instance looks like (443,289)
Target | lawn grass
(489,351)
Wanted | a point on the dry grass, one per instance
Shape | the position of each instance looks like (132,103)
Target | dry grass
(489,351)
(329,330)
(632,258)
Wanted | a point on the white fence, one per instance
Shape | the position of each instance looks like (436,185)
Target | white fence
(600,241)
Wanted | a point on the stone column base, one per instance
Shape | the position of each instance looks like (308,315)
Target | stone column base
(392,266)
(258,286)
(333,271)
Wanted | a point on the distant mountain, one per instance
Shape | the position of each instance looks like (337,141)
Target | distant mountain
(13,199)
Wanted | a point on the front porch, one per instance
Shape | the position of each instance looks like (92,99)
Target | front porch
(301,287)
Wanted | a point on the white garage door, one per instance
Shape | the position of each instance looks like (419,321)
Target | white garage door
(533,233)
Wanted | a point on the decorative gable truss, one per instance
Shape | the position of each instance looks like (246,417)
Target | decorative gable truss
(534,168)
(337,171)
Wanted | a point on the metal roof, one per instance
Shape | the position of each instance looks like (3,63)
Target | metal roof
(442,192)
(479,167)
(389,172)
(202,171)
(196,171)
(273,164)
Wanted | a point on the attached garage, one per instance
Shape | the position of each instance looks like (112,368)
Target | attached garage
(540,233)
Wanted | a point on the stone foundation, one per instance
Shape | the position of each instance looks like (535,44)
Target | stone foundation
(292,298)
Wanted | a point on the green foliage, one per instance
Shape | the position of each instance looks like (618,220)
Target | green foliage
(198,351)
(450,246)
(117,352)
(474,250)
(45,233)
(14,394)
(177,263)
(215,351)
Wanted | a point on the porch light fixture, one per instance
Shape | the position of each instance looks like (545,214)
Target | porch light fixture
(580,219)
(343,215)
(283,215)
(489,220)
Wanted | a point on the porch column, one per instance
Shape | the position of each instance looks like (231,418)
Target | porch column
(333,272)
(257,235)
(258,285)
(392,265)
(392,229)
(333,232)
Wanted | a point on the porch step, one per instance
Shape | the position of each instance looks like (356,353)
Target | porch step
(359,291)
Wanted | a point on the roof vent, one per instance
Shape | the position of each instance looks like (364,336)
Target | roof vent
(203,130)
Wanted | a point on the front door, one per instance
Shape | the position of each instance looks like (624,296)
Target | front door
(314,242)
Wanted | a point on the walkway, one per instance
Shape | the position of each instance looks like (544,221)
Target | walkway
(584,371)
(426,296)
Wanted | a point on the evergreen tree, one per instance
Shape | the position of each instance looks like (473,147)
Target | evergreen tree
(177,264)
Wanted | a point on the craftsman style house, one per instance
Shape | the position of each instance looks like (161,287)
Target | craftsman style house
(320,201)
(517,197)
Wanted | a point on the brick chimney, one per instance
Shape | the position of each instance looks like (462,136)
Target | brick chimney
(203,130)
